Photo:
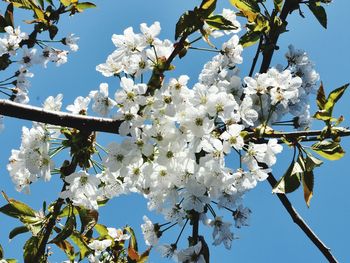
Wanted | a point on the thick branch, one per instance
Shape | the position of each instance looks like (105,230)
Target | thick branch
(88,123)
(27,112)
(272,38)
(297,219)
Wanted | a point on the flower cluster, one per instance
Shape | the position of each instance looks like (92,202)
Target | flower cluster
(178,136)
(12,42)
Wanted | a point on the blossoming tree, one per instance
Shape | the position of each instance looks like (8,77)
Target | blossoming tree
(192,150)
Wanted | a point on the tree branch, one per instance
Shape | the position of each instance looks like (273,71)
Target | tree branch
(80,122)
(272,38)
(297,219)
(108,125)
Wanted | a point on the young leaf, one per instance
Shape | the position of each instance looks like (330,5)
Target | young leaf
(207,7)
(188,23)
(328,149)
(66,2)
(101,229)
(67,230)
(220,23)
(321,97)
(18,230)
(249,38)
(78,239)
(67,248)
(249,8)
(85,5)
(9,15)
(319,12)
(16,208)
(30,249)
(333,97)
(308,186)
(133,241)
(278,4)
(1,252)
(88,219)
(290,181)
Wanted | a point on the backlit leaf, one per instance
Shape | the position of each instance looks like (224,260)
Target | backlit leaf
(319,12)
(18,230)
(308,186)
(249,8)
(328,149)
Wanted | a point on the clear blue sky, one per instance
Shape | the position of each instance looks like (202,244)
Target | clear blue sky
(271,236)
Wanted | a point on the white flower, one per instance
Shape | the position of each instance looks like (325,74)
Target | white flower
(53,103)
(221,232)
(232,49)
(150,232)
(102,103)
(82,189)
(117,234)
(71,41)
(80,105)
(241,216)
(100,245)
(232,138)
(150,32)
(191,254)
(111,67)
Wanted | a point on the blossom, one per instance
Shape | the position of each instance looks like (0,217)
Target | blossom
(102,103)
(82,189)
(150,232)
(80,105)
(71,42)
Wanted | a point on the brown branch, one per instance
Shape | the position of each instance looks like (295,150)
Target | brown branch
(53,217)
(88,123)
(275,31)
(31,113)
(297,219)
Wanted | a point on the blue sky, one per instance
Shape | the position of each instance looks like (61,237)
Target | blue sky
(271,236)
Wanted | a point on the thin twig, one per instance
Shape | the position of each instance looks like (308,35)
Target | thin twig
(297,219)
(256,57)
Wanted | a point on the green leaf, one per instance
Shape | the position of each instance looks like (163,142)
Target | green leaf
(220,23)
(133,241)
(79,240)
(101,229)
(3,23)
(278,5)
(319,12)
(188,23)
(249,8)
(66,2)
(328,149)
(290,181)
(65,211)
(1,252)
(207,7)
(18,230)
(88,218)
(67,230)
(16,208)
(9,15)
(53,31)
(249,38)
(334,96)
(85,5)
(67,248)
(11,260)
(41,3)
(30,249)
(311,162)
(308,186)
